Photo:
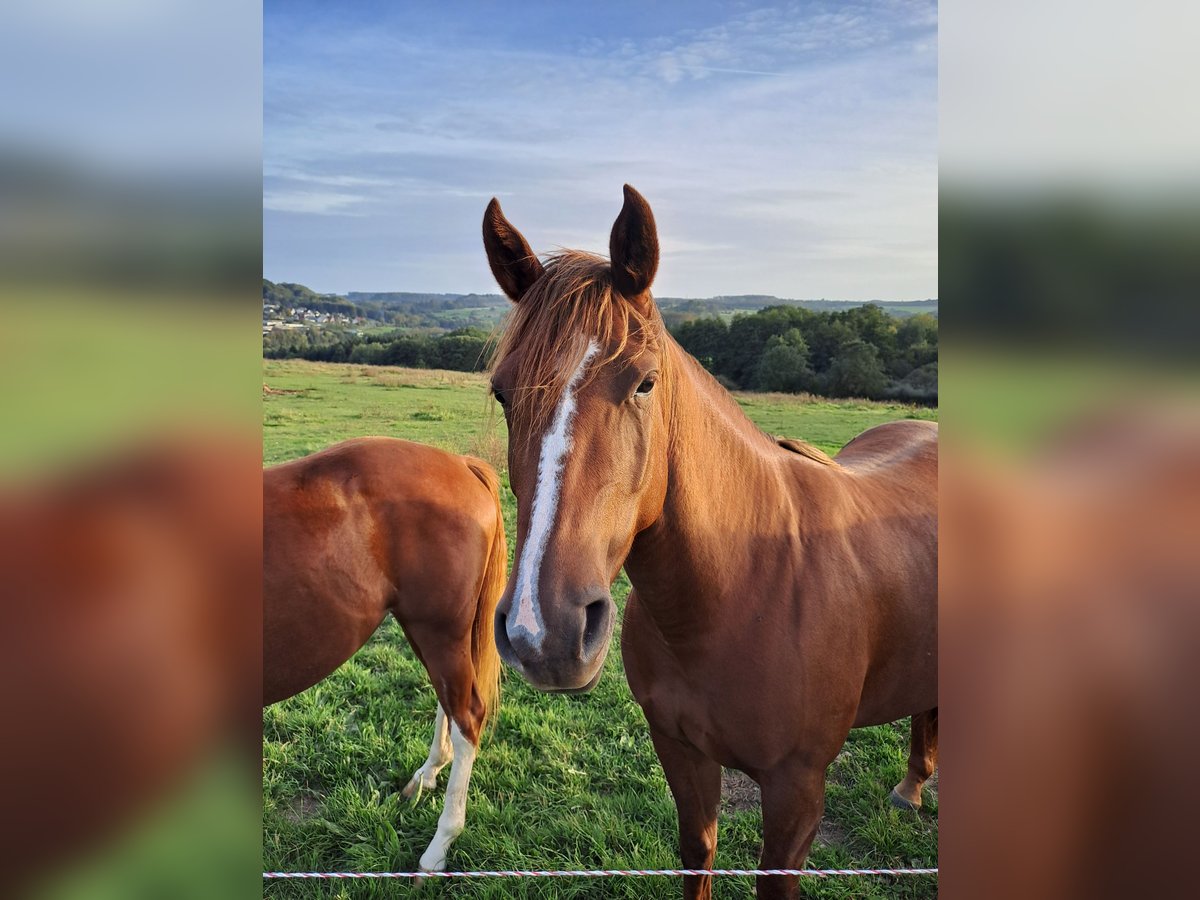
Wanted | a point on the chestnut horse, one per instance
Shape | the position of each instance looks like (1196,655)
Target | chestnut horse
(376,525)
(129,643)
(780,597)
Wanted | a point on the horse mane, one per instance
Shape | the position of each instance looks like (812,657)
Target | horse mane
(808,451)
(573,301)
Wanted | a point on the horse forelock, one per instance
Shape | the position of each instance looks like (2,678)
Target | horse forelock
(548,332)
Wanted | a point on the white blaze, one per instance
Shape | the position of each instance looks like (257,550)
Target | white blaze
(556,444)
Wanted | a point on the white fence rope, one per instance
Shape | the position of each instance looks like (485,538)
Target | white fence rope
(604,873)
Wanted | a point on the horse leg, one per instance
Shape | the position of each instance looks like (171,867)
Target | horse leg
(448,661)
(793,800)
(440,753)
(922,759)
(695,782)
(454,812)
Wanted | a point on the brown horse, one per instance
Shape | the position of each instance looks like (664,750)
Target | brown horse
(780,597)
(129,640)
(376,525)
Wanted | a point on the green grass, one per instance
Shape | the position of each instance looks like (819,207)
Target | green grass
(828,424)
(322,403)
(1011,401)
(561,782)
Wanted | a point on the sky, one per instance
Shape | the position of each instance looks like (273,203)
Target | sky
(786,149)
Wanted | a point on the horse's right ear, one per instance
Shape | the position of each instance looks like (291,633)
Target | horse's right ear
(512,261)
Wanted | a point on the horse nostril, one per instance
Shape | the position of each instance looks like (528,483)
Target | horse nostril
(595,625)
(503,644)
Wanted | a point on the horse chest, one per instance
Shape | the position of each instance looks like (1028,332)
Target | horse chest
(745,708)
(697,701)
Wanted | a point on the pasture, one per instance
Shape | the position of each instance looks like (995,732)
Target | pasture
(561,781)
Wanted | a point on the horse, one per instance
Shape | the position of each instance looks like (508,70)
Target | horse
(375,525)
(780,597)
(130,651)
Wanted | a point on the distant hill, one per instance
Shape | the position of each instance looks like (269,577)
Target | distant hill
(449,311)
(752,302)
(289,295)
(436,301)
(286,294)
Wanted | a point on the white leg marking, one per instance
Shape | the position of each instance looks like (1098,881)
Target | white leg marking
(555,445)
(440,753)
(454,812)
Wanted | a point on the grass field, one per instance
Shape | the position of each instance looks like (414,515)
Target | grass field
(561,781)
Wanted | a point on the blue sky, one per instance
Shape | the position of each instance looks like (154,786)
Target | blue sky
(786,149)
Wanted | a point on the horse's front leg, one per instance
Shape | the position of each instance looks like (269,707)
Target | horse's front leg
(695,782)
(793,800)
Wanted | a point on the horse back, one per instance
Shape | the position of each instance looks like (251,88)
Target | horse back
(397,499)
(384,470)
(358,529)
(904,450)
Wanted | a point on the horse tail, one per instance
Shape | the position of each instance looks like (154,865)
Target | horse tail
(495,574)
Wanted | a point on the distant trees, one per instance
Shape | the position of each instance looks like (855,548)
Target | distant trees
(708,340)
(859,352)
(287,342)
(856,371)
(465,350)
(784,364)
(460,350)
(917,336)
(918,385)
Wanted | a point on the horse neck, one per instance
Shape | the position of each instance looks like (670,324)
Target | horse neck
(727,482)
(710,437)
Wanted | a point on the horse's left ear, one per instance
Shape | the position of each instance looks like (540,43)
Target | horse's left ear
(633,246)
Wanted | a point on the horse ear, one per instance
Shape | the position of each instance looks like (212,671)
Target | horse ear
(633,246)
(512,261)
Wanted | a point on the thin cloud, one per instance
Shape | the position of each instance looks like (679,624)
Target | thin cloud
(775,134)
(316,203)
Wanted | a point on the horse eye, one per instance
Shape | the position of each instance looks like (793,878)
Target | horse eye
(500,398)
(646,386)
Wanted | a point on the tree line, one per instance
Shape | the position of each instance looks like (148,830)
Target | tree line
(463,350)
(858,352)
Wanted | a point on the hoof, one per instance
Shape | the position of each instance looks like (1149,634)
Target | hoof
(419,883)
(417,785)
(433,863)
(900,803)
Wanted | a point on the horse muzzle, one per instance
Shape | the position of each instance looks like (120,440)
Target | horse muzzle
(567,653)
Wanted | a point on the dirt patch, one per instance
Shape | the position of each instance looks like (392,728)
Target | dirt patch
(268,390)
(834,774)
(739,792)
(303,806)
(831,834)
